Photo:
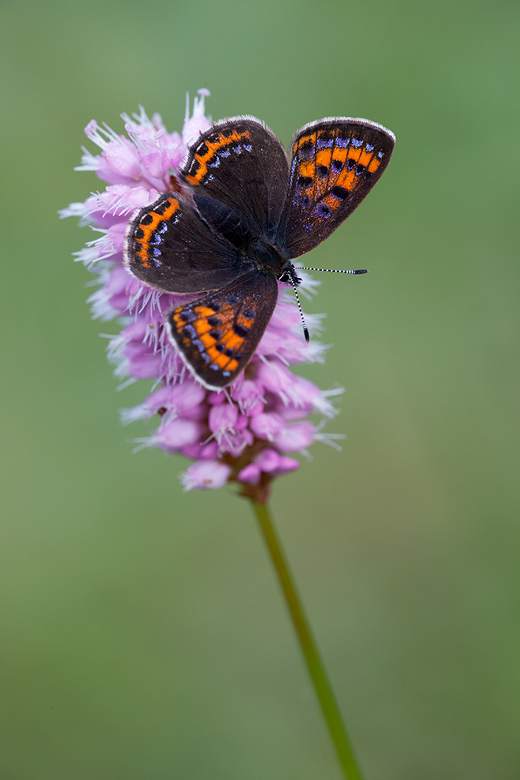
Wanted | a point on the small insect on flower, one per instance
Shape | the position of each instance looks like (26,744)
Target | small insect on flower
(198,232)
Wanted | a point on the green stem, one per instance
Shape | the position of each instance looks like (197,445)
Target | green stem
(310,652)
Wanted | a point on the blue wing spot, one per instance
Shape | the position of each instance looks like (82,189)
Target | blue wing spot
(325,141)
(189,331)
(323,210)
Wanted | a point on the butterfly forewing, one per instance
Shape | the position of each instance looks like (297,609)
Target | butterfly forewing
(335,164)
(217,335)
(169,247)
(240,163)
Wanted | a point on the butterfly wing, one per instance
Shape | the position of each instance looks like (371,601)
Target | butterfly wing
(239,163)
(335,164)
(169,247)
(218,334)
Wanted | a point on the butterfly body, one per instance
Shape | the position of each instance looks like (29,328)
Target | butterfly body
(244,213)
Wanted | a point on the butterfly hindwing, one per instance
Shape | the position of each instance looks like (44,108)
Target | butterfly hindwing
(335,164)
(240,163)
(169,247)
(217,335)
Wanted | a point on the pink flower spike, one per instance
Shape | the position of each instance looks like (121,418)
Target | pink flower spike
(206,474)
(240,434)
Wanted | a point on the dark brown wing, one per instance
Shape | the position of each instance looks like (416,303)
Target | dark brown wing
(335,164)
(242,164)
(169,247)
(218,334)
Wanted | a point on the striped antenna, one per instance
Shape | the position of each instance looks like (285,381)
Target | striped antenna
(331,270)
(305,329)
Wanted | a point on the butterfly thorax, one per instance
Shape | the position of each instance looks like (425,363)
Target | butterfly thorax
(239,231)
(267,257)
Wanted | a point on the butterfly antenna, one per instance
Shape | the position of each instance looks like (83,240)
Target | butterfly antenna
(305,329)
(332,270)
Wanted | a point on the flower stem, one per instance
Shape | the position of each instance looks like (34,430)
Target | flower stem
(310,651)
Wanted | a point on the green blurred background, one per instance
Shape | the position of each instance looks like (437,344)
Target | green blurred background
(143,635)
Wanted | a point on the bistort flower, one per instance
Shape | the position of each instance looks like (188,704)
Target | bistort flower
(247,433)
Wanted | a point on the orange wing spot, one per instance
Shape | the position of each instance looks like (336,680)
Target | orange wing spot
(232,365)
(305,139)
(177,315)
(374,165)
(217,357)
(150,228)
(306,169)
(346,179)
(204,312)
(206,339)
(365,158)
(241,320)
(324,157)
(202,327)
(340,154)
(354,154)
(332,202)
(232,341)
(213,147)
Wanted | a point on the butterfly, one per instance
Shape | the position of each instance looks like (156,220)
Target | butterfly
(241,213)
